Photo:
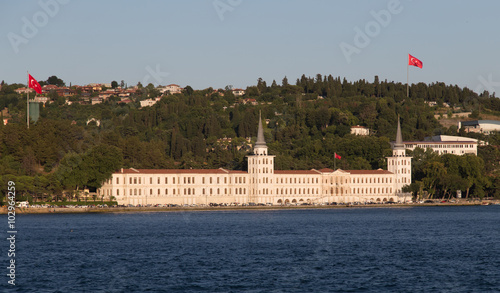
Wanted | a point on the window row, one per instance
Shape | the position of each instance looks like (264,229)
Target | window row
(264,161)
(403,162)
(187,180)
(185,191)
(379,190)
(297,180)
(373,180)
(300,191)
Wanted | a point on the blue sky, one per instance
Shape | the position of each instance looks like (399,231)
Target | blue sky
(216,43)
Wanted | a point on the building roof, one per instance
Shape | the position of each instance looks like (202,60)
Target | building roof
(442,142)
(449,138)
(369,172)
(180,171)
(297,172)
(478,122)
(399,138)
(260,134)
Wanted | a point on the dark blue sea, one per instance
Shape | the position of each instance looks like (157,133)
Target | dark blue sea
(420,249)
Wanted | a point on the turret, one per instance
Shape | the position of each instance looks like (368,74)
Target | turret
(399,163)
(260,169)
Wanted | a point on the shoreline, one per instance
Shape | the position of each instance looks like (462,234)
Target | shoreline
(3,210)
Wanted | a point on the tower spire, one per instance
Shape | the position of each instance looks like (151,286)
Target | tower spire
(399,137)
(260,133)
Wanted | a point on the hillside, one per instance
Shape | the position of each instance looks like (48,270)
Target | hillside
(306,123)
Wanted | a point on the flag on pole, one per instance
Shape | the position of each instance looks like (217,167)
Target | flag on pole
(337,156)
(414,61)
(34,84)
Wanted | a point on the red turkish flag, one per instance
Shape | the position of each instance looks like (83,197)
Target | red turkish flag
(337,156)
(34,84)
(414,61)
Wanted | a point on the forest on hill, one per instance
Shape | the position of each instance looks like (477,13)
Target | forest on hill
(306,123)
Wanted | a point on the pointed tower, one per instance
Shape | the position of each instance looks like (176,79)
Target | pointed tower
(260,170)
(399,163)
(260,147)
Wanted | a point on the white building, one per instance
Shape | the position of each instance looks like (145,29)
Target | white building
(360,130)
(149,102)
(171,88)
(238,92)
(480,126)
(262,183)
(446,144)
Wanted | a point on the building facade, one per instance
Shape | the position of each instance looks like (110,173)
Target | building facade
(446,144)
(262,183)
(360,130)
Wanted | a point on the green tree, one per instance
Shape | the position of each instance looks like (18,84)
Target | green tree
(54,80)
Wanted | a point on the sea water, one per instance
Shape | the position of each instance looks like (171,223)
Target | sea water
(420,249)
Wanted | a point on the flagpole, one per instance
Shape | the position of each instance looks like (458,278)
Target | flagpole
(407,80)
(28,101)
(335,162)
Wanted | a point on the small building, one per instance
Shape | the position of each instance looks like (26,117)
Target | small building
(480,126)
(23,90)
(149,102)
(172,89)
(238,92)
(96,100)
(41,99)
(360,130)
(250,101)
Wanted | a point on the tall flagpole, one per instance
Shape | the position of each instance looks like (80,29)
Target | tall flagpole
(28,101)
(335,162)
(407,80)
